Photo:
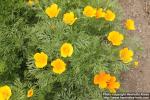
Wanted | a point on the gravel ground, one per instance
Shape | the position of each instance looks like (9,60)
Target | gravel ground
(138,80)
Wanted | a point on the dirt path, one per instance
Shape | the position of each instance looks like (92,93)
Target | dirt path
(139,79)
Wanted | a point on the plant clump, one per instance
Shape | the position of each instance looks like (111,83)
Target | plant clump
(63,49)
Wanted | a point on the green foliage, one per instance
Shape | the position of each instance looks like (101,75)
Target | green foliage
(26,30)
(15,39)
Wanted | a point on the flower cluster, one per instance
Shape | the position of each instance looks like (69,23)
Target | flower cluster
(108,15)
(125,54)
(53,11)
(69,18)
(59,66)
(116,38)
(106,81)
(58,63)
(5,93)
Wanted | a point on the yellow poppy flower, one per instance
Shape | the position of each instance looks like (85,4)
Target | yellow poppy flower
(40,59)
(101,79)
(1,97)
(110,16)
(89,11)
(69,18)
(113,85)
(30,93)
(52,11)
(116,38)
(130,24)
(100,13)
(126,55)
(59,66)
(106,81)
(66,50)
(5,92)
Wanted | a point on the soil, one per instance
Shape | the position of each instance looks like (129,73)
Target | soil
(138,80)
